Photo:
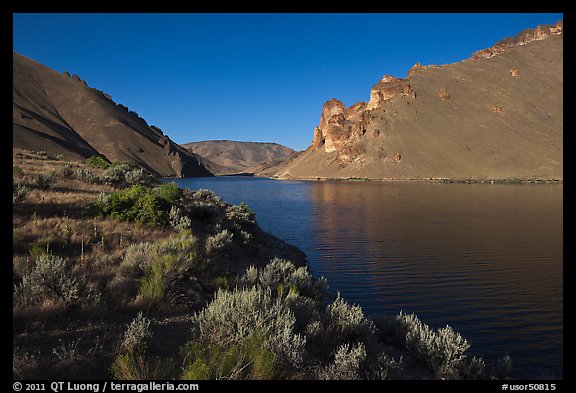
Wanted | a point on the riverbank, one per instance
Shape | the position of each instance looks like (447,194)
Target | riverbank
(515,180)
(116,275)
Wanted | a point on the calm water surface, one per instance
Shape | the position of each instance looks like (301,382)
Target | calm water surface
(485,259)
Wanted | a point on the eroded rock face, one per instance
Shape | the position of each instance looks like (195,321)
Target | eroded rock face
(341,128)
(538,33)
(339,125)
(388,87)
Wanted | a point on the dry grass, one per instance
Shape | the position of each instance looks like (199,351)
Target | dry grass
(58,220)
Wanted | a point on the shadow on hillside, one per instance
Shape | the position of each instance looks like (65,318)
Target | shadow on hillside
(47,209)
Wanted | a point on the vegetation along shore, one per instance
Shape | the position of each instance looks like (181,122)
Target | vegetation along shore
(117,275)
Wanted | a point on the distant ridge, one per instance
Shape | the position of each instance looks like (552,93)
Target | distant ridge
(231,157)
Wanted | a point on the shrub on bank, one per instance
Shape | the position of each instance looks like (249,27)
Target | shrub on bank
(178,221)
(345,323)
(139,203)
(282,275)
(347,363)
(220,242)
(233,316)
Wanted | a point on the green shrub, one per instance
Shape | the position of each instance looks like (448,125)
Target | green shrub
(16,170)
(221,282)
(186,244)
(19,192)
(248,360)
(164,267)
(136,366)
(97,162)
(139,203)
(170,193)
(154,266)
(36,250)
(52,280)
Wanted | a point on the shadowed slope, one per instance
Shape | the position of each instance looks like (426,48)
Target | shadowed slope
(62,115)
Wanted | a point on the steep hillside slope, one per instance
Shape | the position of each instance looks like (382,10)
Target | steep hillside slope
(497,115)
(228,157)
(62,115)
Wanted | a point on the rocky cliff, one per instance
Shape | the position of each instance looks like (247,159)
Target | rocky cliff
(61,115)
(496,115)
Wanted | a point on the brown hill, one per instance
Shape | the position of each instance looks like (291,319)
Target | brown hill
(230,157)
(59,114)
(497,115)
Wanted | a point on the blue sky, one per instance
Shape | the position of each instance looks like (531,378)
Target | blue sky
(251,77)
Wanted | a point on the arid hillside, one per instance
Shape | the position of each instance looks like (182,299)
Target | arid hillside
(229,157)
(60,115)
(496,115)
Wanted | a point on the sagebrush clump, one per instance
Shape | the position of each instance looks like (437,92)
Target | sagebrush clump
(44,181)
(152,267)
(137,334)
(19,192)
(347,363)
(282,275)
(52,281)
(220,242)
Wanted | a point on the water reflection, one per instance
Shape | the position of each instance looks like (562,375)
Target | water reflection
(486,259)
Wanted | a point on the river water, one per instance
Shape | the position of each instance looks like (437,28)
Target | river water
(484,259)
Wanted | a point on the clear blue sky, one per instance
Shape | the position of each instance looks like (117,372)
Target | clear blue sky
(251,77)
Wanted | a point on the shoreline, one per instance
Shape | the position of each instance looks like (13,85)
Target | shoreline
(443,180)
